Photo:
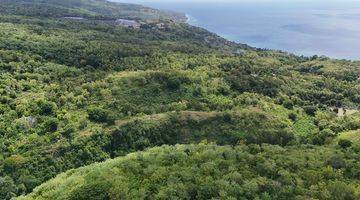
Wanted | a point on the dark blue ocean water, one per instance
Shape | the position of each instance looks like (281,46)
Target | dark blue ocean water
(303,27)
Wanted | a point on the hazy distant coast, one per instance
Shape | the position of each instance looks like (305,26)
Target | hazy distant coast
(303,29)
(190,19)
(178,16)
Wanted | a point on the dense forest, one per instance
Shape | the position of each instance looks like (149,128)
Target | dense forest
(166,110)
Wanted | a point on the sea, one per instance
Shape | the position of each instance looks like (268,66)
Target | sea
(303,27)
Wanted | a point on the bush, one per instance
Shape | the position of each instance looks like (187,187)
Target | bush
(13,162)
(344,143)
(336,162)
(68,130)
(51,125)
(310,110)
(288,104)
(174,82)
(323,136)
(7,188)
(91,191)
(292,117)
(100,115)
(46,107)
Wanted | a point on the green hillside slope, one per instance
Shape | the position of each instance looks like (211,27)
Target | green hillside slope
(209,171)
(92,9)
(75,91)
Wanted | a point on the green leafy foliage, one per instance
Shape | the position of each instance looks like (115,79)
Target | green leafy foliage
(344,143)
(78,91)
(210,171)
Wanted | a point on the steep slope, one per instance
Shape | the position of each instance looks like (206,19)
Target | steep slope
(209,171)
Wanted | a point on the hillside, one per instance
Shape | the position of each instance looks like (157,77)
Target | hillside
(79,90)
(92,9)
(210,171)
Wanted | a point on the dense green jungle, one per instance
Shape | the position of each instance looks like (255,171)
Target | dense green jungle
(92,108)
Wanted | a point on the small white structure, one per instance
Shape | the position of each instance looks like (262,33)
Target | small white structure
(127,23)
(160,26)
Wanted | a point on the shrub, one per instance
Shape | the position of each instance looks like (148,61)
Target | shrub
(7,188)
(323,136)
(91,191)
(292,117)
(100,115)
(174,82)
(97,114)
(336,162)
(13,162)
(310,110)
(51,125)
(344,143)
(288,104)
(46,107)
(68,130)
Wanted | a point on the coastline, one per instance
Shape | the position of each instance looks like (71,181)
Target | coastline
(190,19)
(311,41)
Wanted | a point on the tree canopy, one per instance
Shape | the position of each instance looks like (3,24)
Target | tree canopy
(76,88)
